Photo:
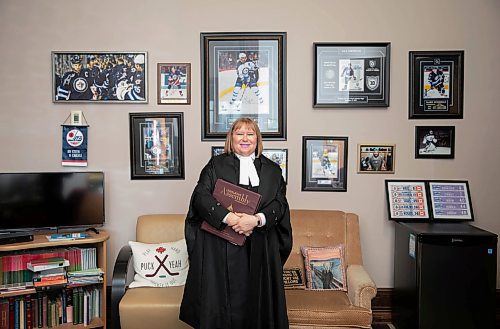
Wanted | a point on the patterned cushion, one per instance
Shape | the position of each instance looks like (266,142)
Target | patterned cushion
(325,267)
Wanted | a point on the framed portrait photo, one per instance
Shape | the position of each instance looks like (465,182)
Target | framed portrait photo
(243,75)
(174,83)
(324,163)
(435,142)
(156,145)
(376,158)
(436,84)
(351,74)
(104,77)
(407,200)
(450,200)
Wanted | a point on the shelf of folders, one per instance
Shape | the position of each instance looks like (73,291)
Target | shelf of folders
(47,288)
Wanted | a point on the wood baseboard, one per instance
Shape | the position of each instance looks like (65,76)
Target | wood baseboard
(382,306)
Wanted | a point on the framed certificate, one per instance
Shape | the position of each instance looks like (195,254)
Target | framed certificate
(436,84)
(450,200)
(407,200)
(351,74)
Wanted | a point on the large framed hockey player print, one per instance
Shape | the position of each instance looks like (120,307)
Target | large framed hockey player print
(351,74)
(156,145)
(436,84)
(243,75)
(324,163)
(104,77)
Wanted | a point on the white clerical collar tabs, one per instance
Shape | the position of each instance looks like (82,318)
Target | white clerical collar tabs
(248,173)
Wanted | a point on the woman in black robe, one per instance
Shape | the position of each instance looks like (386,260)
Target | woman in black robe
(230,286)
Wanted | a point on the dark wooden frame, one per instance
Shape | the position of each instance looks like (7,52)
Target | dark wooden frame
(447,201)
(402,208)
(159,85)
(447,141)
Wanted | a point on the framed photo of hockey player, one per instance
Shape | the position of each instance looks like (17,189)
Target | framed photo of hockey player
(450,201)
(174,83)
(324,163)
(407,200)
(351,74)
(436,84)
(243,75)
(104,77)
(376,158)
(435,142)
(156,145)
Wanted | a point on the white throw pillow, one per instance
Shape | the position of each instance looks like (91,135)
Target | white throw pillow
(160,264)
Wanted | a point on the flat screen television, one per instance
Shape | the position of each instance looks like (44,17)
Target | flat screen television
(51,201)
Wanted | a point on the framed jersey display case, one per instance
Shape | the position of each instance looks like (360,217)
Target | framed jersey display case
(243,75)
(104,77)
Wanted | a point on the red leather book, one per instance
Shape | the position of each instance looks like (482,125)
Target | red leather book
(235,199)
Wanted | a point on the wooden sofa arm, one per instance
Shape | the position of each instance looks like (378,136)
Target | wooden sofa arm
(361,288)
(119,283)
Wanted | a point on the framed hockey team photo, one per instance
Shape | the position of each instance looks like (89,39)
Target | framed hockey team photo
(104,77)
(407,200)
(156,145)
(279,156)
(243,75)
(435,142)
(351,74)
(324,163)
(174,83)
(376,158)
(436,84)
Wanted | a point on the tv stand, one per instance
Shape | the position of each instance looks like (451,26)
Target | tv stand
(92,229)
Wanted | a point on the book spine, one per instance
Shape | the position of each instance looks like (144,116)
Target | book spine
(29,312)
(39,302)
(4,314)
(75,306)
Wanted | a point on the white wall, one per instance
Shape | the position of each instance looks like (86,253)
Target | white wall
(169,31)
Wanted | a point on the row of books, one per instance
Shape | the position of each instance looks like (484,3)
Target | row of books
(79,305)
(14,267)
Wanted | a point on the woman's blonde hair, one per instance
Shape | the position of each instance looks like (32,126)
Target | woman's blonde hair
(250,124)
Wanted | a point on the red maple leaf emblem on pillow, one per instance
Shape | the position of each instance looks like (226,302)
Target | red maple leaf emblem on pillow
(160,250)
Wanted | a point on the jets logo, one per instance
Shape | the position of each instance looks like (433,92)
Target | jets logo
(372,82)
(80,85)
(372,63)
(74,138)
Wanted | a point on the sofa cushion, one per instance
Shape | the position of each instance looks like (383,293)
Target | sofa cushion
(325,267)
(160,264)
(152,308)
(325,308)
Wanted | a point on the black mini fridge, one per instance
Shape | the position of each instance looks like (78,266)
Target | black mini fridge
(444,276)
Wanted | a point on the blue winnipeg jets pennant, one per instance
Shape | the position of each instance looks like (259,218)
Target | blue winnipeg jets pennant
(74,146)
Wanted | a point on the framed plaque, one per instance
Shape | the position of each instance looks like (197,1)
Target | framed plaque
(243,75)
(324,164)
(435,142)
(156,145)
(376,158)
(450,200)
(351,74)
(436,84)
(407,200)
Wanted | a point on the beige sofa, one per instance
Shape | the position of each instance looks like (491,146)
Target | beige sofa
(159,307)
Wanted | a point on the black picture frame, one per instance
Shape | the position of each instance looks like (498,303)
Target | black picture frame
(436,84)
(407,200)
(225,94)
(173,83)
(99,77)
(450,201)
(324,163)
(351,74)
(156,145)
(435,142)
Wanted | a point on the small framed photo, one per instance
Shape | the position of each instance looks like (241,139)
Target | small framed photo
(101,77)
(174,83)
(436,84)
(156,145)
(351,74)
(376,158)
(435,142)
(324,163)
(450,200)
(407,200)
(280,157)
(243,75)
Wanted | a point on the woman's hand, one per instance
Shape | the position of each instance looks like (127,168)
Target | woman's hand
(232,219)
(246,224)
